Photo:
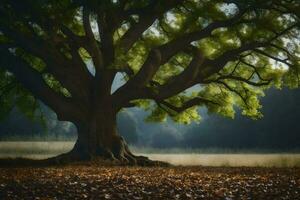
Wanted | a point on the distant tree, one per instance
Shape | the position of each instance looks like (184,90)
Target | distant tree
(232,49)
(17,126)
(165,138)
(25,127)
(278,130)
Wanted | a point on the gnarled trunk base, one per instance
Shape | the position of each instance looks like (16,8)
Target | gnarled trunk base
(105,157)
(108,149)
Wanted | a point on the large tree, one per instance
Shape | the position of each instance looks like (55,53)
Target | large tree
(67,54)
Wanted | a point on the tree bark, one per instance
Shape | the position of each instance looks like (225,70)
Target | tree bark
(100,139)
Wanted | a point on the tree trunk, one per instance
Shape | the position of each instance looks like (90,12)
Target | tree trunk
(97,141)
(97,131)
(99,138)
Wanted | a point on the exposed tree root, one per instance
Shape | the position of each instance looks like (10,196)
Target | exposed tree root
(67,159)
(120,155)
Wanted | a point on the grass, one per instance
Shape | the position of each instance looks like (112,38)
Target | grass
(189,157)
(230,160)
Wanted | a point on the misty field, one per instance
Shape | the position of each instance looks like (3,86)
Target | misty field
(220,176)
(39,150)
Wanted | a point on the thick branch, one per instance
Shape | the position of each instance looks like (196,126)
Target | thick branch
(213,66)
(80,41)
(146,73)
(173,47)
(177,84)
(51,46)
(106,36)
(166,52)
(136,30)
(57,64)
(34,82)
(94,49)
(147,17)
(76,42)
(185,79)
(133,87)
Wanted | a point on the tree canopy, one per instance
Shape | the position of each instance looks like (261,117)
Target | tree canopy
(174,55)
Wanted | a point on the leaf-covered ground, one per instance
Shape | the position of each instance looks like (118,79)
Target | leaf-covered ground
(92,182)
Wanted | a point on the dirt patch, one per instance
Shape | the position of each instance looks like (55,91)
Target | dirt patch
(94,182)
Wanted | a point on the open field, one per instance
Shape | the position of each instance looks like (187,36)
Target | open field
(38,150)
(94,182)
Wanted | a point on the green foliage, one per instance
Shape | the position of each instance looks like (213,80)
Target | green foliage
(6,93)
(234,93)
(222,98)
(228,85)
(55,85)
(27,105)
(157,115)
(36,63)
(187,116)
(14,95)
(144,104)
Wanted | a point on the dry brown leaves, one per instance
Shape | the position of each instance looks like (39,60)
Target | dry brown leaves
(93,182)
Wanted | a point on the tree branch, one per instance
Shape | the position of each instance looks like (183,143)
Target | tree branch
(254,68)
(106,36)
(147,17)
(183,80)
(282,49)
(173,47)
(237,78)
(34,82)
(188,104)
(213,66)
(145,74)
(94,49)
(57,65)
(234,91)
(284,61)
(166,51)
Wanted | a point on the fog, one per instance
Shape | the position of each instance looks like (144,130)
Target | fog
(41,150)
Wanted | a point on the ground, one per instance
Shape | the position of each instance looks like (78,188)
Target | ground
(94,182)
